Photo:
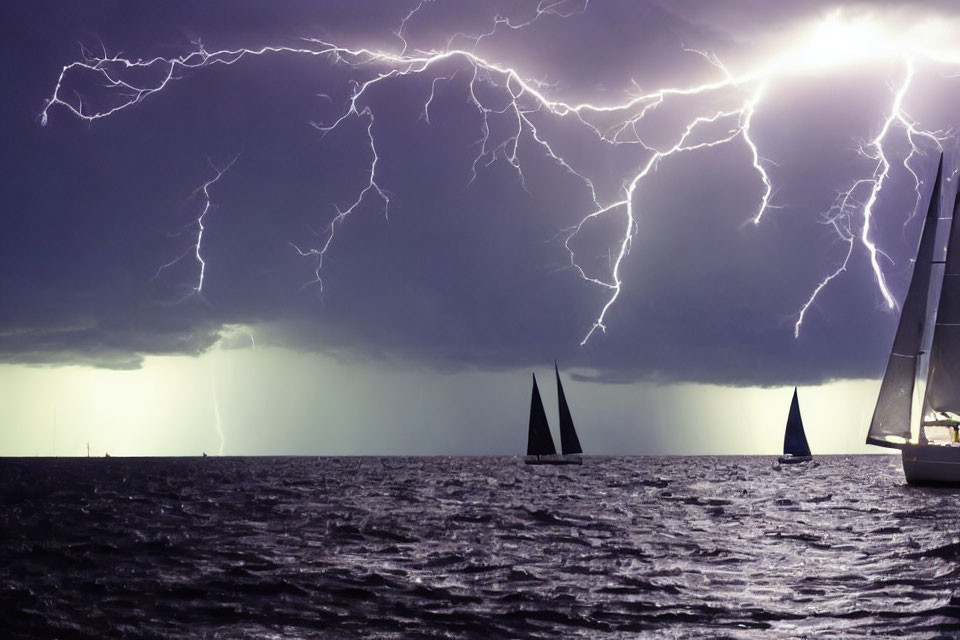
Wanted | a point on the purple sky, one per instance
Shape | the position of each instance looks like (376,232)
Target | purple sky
(456,273)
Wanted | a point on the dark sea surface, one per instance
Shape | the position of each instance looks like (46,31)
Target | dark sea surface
(706,547)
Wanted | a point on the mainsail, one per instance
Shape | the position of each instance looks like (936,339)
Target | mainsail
(943,379)
(794,439)
(569,442)
(539,441)
(890,426)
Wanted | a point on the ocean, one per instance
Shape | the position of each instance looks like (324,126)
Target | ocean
(475,547)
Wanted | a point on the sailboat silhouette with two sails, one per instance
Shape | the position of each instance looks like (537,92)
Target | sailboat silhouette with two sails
(540,447)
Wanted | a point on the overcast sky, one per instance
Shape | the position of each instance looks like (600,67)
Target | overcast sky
(503,226)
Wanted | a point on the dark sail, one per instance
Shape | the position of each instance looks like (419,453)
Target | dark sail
(569,442)
(943,380)
(539,441)
(890,426)
(794,439)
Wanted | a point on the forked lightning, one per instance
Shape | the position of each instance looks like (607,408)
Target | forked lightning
(837,39)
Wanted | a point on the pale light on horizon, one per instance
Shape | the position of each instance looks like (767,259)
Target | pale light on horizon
(271,401)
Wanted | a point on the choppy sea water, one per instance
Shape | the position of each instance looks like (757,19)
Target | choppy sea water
(715,547)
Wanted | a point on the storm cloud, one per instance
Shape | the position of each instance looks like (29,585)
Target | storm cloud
(458,271)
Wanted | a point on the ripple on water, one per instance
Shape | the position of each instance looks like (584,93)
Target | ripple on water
(475,547)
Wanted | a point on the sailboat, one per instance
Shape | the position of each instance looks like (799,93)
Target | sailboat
(540,447)
(930,452)
(795,447)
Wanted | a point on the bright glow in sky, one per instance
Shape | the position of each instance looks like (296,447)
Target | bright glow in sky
(275,401)
(844,40)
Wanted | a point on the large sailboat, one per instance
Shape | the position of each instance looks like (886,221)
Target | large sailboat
(795,447)
(927,437)
(540,447)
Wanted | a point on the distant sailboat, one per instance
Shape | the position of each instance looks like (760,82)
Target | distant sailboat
(540,447)
(931,453)
(795,447)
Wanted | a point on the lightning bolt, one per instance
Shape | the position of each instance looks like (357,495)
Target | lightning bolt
(844,207)
(196,248)
(217,422)
(205,190)
(526,101)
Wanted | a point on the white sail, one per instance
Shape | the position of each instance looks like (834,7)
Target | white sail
(890,426)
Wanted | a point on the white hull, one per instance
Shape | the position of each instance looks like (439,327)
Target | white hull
(931,464)
(788,458)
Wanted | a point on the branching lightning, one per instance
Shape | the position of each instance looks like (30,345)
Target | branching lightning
(527,101)
(844,205)
(197,248)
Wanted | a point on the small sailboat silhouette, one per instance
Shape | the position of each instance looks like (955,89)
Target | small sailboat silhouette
(540,447)
(795,447)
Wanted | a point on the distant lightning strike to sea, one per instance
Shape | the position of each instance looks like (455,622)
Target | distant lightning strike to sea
(218,423)
(835,40)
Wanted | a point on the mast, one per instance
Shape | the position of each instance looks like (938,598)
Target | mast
(890,426)
(539,440)
(569,442)
(794,438)
(943,380)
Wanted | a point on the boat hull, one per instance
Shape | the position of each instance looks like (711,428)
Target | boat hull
(926,464)
(570,459)
(789,459)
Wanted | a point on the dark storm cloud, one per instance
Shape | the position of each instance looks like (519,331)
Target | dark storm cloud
(459,274)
